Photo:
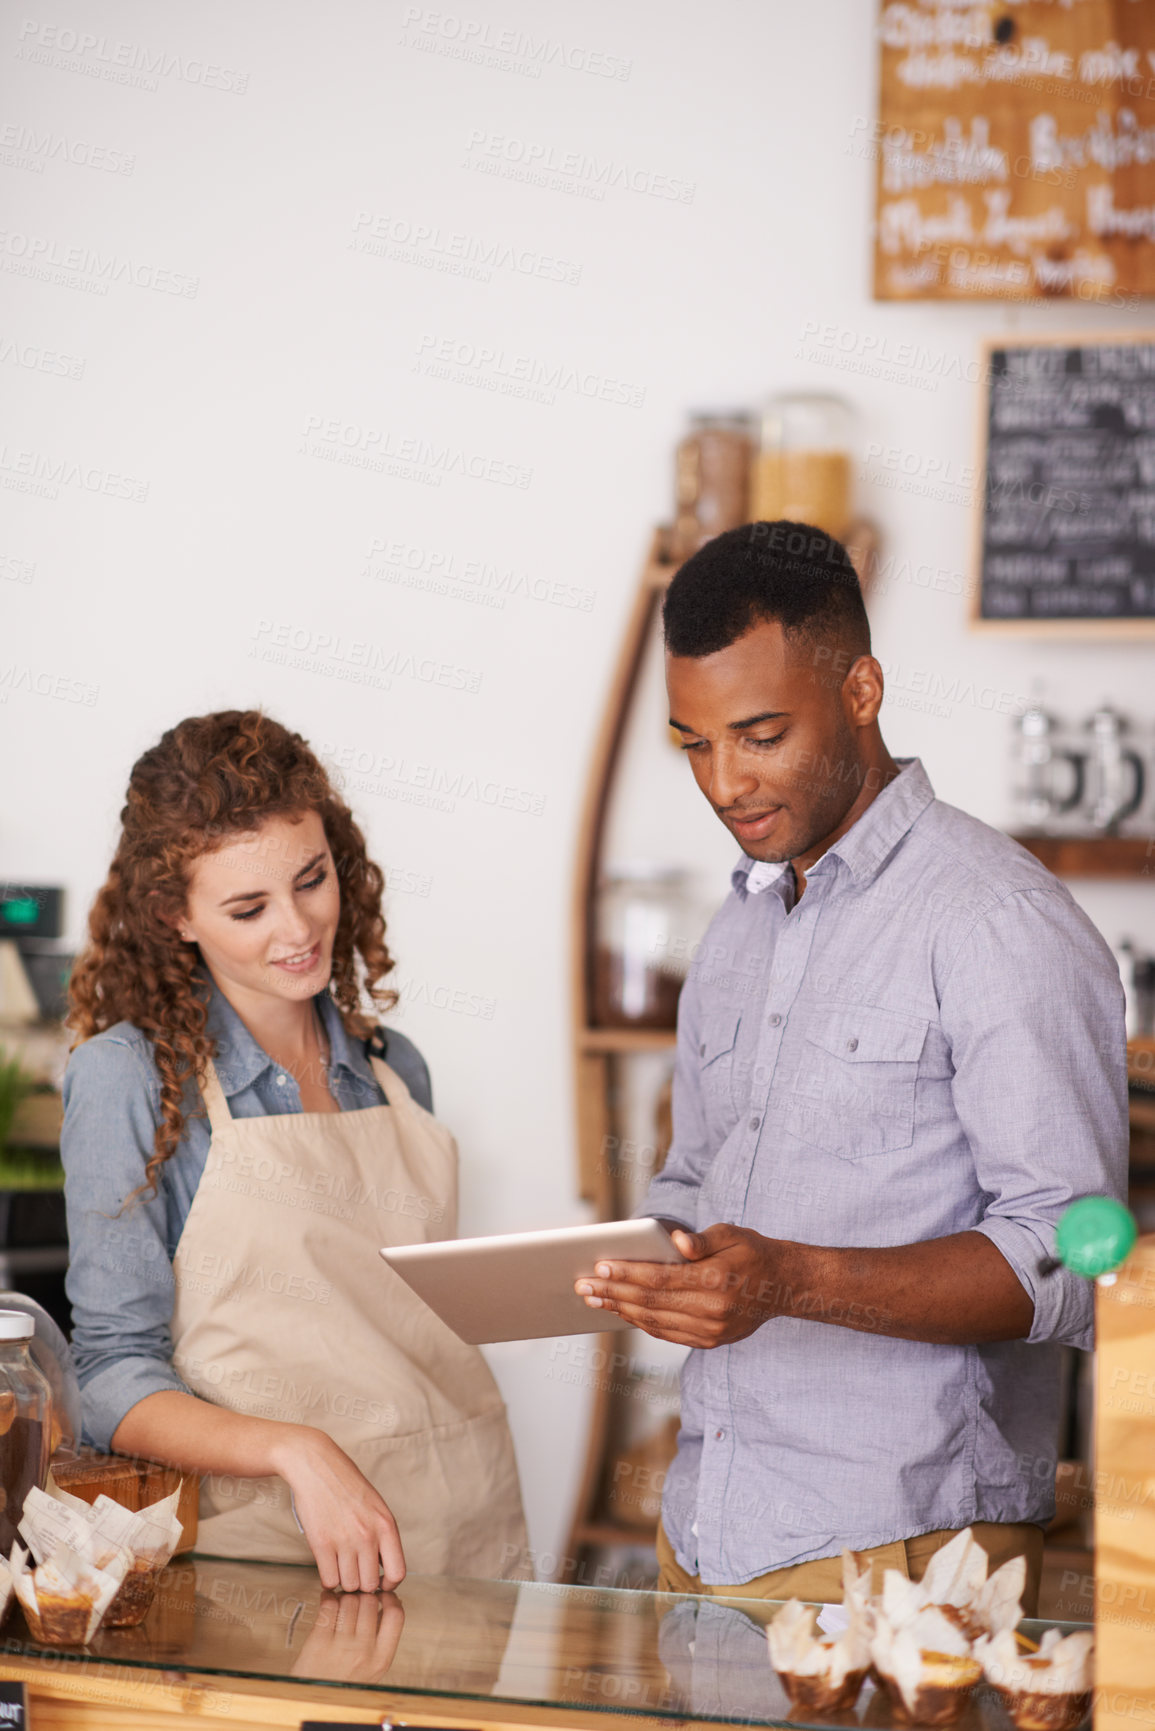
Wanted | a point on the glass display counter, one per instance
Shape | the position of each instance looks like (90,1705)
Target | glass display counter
(242,1645)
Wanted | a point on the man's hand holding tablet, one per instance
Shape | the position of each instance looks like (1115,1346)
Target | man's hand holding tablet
(722,1291)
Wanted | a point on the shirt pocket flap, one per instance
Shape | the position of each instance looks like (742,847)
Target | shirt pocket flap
(719,1033)
(870,1036)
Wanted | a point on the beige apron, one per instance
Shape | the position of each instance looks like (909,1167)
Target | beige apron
(285,1310)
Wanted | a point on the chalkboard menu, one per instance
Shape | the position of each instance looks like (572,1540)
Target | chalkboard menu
(1068,498)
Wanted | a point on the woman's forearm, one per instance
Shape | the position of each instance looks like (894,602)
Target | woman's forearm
(192,1434)
(347,1525)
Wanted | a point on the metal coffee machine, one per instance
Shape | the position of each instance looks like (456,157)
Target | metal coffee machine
(1076,782)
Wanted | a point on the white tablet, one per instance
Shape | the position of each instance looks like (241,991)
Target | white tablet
(519,1285)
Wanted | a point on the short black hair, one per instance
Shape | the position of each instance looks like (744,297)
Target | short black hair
(790,572)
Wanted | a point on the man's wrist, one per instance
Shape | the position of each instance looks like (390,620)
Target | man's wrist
(789,1278)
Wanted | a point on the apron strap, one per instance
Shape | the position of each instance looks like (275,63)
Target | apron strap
(213,1096)
(396,1093)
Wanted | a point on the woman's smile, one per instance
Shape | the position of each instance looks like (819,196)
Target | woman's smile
(303,962)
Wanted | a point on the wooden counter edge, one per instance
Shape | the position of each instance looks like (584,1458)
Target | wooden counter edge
(71,1695)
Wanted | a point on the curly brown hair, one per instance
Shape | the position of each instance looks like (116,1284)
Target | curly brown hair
(211,777)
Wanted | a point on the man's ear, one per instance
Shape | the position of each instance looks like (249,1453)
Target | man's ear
(862,691)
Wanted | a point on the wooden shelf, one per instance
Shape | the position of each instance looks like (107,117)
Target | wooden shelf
(614,1533)
(1094,856)
(627,1039)
(1142,1113)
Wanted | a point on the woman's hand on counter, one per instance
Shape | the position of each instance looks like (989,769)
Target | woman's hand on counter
(349,1528)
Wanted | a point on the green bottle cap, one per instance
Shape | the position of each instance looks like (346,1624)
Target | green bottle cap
(1095,1235)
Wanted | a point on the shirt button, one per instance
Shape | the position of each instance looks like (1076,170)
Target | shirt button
(775,1020)
(720,1435)
(280,1081)
(852,1044)
(755,1123)
(702,1050)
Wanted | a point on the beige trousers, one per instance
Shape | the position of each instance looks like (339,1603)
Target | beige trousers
(821,1580)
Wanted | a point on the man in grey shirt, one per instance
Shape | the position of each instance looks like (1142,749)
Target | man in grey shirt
(900,1056)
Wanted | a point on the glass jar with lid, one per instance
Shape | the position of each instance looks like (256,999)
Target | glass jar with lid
(712,479)
(642,950)
(802,469)
(52,1356)
(25,1419)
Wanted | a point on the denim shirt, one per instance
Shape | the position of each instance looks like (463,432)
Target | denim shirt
(929,1041)
(120,1277)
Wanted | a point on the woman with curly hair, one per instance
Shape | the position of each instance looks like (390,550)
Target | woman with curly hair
(239,1141)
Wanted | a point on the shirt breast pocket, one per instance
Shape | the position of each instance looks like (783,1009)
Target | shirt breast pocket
(855,1084)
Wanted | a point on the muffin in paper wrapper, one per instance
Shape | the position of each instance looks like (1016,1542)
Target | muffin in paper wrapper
(152,1535)
(926,1668)
(64,1599)
(924,1630)
(47,1522)
(149,1535)
(1045,1691)
(956,1583)
(823,1674)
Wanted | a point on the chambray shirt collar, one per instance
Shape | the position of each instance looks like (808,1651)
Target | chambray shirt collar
(868,844)
(240,1060)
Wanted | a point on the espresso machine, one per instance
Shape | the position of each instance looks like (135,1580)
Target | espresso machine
(1087,781)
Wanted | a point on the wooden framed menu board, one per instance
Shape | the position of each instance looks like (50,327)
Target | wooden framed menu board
(1066,512)
(1016,150)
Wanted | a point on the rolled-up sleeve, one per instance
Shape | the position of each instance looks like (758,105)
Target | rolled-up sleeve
(120,1278)
(1033,1010)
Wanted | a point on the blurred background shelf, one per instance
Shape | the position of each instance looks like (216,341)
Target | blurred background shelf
(1093,856)
(626,1039)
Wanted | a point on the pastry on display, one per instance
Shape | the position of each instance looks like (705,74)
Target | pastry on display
(101,1530)
(1045,1691)
(821,1673)
(151,1535)
(64,1599)
(956,1582)
(928,1643)
(924,1630)
(926,1668)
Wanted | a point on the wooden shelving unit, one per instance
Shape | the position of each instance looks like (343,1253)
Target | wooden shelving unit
(594,1047)
(597,1049)
(1094,856)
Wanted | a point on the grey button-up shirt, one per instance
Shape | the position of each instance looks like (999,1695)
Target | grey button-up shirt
(120,1277)
(931,1040)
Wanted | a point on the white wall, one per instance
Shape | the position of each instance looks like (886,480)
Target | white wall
(268,128)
